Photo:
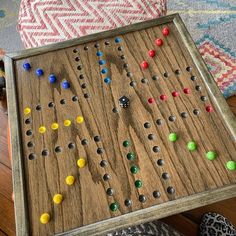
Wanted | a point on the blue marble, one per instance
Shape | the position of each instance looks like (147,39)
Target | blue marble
(65,84)
(99,53)
(117,40)
(102,62)
(26,66)
(39,72)
(107,80)
(104,70)
(52,78)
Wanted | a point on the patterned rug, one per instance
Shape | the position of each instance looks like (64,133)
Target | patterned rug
(212,24)
(9,37)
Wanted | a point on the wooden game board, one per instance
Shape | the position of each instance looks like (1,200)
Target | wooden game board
(130,170)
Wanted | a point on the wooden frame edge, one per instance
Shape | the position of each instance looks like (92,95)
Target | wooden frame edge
(154,212)
(219,100)
(91,37)
(20,203)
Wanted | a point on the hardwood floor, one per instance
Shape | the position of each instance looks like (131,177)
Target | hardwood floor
(186,223)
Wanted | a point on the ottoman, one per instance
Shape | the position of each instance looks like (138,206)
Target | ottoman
(51,21)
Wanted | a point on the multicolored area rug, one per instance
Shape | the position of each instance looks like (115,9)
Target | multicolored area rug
(212,24)
(9,36)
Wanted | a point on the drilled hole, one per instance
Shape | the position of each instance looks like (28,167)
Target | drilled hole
(71,145)
(107,43)
(38,108)
(79,67)
(142,198)
(132,83)
(172,118)
(103,163)
(119,48)
(28,121)
(75,50)
(106,177)
(156,149)
(32,156)
(188,68)
(155,77)
(122,57)
(165,176)
(84,142)
(203,98)
(196,112)
(74,98)
(83,86)
(160,162)
(58,149)
(29,132)
(144,81)
(193,78)
(81,76)
(77,59)
(30,144)
(128,202)
(129,74)
(126,65)
(45,153)
(115,110)
(110,191)
(147,125)
(159,121)
(85,48)
(97,138)
(151,136)
(100,150)
(184,114)
(165,75)
(170,190)
(86,95)
(63,101)
(156,194)
(96,45)
(51,105)
(177,72)
(198,88)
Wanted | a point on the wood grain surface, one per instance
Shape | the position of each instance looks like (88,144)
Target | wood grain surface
(87,202)
(190,220)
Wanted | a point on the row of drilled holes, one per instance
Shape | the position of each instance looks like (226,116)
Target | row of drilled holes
(59,149)
(81,76)
(96,45)
(160,162)
(75,98)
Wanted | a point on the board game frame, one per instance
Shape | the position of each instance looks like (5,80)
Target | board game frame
(140,216)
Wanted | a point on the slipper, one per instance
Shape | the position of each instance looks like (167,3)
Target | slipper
(213,224)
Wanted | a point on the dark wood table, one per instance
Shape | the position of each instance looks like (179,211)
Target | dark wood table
(189,219)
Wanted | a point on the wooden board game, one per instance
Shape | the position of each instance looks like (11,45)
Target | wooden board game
(115,129)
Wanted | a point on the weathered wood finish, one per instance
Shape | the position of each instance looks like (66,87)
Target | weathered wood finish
(85,208)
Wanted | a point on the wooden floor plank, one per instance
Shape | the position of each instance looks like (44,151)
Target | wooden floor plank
(7,223)
(2,233)
(5,182)
(232,103)
(182,224)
